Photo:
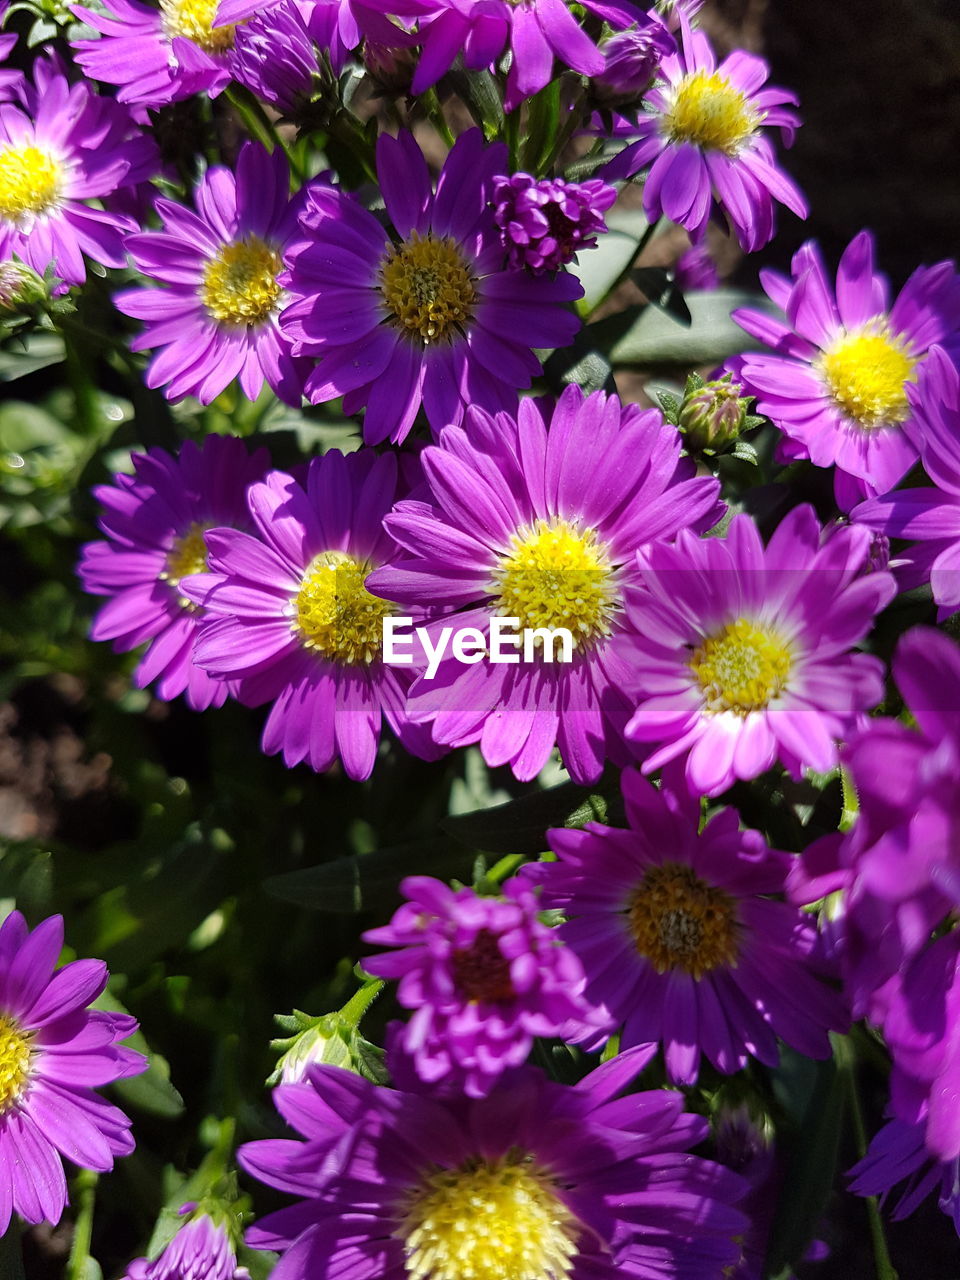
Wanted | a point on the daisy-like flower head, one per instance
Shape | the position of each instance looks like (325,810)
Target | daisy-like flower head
(544,223)
(704,143)
(897,1155)
(541,524)
(60,147)
(217,319)
(743,651)
(156,55)
(537,1180)
(838,385)
(54,1053)
(929,516)
(484,977)
(681,939)
(428,313)
(201,1250)
(288,611)
(155,522)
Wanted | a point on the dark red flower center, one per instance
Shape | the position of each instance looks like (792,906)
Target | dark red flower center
(481,972)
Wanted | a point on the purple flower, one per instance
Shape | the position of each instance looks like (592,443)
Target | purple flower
(218,318)
(838,384)
(10,77)
(155,521)
(542,526)
(428,314)
(288,612)
(60,147)
(156,55)
(544,223)
(201,1250)
(743,650)
(680,938)
(898,1154)
(336,26)
(579,1183)
(484,977)
(703,140)
(931,515)
(631,60)
(696,269)
(274,56)
(54,1053)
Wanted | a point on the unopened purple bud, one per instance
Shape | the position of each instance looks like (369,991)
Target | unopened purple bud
(696,269)
(632,60)
(274,57)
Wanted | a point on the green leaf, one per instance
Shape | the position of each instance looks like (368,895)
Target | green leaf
(520,826)
(599,268)
(656,338)
(152,1091)
(478,90)
(37,352)
(813,1097)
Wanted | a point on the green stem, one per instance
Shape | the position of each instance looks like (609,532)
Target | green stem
(435,111)
(259,125)
(847,1066)
(11,1254)
(360,1002)
(78,375)
(642,243)
(85,1195)
(851,801)
(501,870)
(565,133)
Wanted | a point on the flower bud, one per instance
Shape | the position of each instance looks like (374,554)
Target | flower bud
(20,287)
(631,62)
(713,414)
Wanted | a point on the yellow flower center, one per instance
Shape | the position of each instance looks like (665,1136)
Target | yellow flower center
(193,19)
(29,182)
(557,575)
(678,921)
(497,1220)
(742,668)
(866,374)
(240,283)
(14,1062)
(428,287)
(187,555)
(336,614)
(711,113)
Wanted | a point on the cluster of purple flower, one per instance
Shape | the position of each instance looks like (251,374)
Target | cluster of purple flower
(428,304)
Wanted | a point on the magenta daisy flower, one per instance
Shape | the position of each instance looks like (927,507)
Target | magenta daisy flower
(680,937)
(201,1250)
(837,385)
(61,147)
(580,1184)
(542,526)
(54,1053)
(544,223)
(897,1155)
(484,977)
(428,314)
(218,317)
(929,516)
(703,142)
(288,612)
(743,651)
(156,55)
(155,522)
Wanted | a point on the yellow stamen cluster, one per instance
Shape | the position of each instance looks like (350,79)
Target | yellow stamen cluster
(558,575)
(866,375)
(742,668)
(499,1220)
(14,1061)
(428,287)
(711,113)
(193,19)
(29,182)
(187,555)
(240,283)
(335,614)
(678,921)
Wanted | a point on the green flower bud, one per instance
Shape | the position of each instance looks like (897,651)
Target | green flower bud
(20,287)
(713,414)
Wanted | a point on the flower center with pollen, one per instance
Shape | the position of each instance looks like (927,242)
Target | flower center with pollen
(193,19)
(557,575)
(678,921)
(187,555)
(29,182)
(481,972)
(428,287)
(711,113)
(742,668)
(335,614)
(866,375)
(489,1220)
(14,1062)
(240,283)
